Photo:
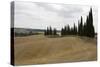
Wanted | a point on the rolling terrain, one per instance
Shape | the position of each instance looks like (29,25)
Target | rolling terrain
(39,49)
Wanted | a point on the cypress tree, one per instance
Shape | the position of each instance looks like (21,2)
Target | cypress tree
(81,27)
(45,32)
(78,28)
(55,31)
(65,30)
(91,32)
(81,33)
(68,28)
(72,31)
(50,30)
(84,29)
(62,32)
(88,26)
(75,29)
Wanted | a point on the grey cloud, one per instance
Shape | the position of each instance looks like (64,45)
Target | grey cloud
(68,11)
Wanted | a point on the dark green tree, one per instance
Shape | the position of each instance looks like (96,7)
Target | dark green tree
(80,28)
(90,30)
(74,29)
(68,30)
(45,32)
(50,30)
(54,31)
(65,30)
(62,32)
(85,29)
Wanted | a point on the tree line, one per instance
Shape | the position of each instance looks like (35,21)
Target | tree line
(83,29)
(50,31)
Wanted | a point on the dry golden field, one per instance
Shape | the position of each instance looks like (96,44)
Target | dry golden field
(38,49)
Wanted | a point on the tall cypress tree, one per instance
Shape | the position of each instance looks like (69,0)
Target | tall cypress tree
(45,32)
(50,30)
(81,27)
(78,27)
(54,31)
(65,30)
(81,24)
(89,28)
(68,28)
(91,32)
(86,27)
(62,32)
(75,29)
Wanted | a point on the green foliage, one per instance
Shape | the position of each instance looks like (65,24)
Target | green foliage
(49,31)
(55,31)
(88,26)
(67,30)
(80,28)
(62,31)
(90,32)
(87,29)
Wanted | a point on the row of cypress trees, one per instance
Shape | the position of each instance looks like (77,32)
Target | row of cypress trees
(67,30)
(83,29)
(87,29)
(50,31)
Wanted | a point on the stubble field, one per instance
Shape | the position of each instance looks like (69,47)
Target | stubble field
(38,49)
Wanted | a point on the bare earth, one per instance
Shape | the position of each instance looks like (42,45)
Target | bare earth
(38,49)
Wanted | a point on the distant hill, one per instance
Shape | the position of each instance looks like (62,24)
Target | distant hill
(27,30)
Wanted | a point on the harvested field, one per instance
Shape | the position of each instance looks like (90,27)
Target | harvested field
(39,49)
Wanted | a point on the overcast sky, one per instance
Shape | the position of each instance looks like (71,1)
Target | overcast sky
(40,15)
